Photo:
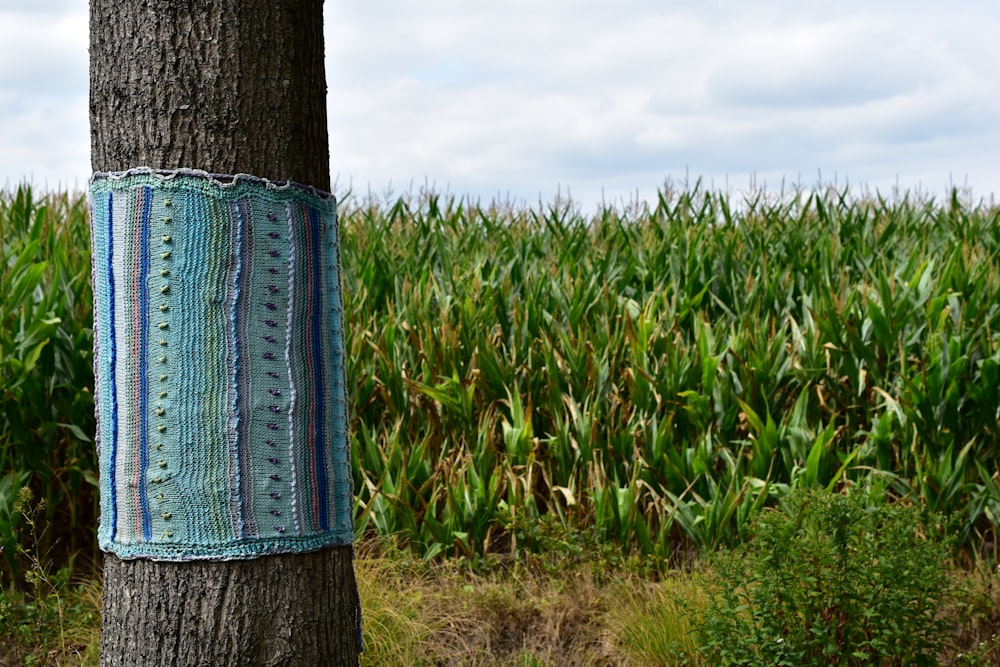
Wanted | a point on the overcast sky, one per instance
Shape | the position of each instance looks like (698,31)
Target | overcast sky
(522,99)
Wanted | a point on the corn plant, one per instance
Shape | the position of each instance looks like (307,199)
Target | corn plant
(651,376)
(46,408)
(662,373)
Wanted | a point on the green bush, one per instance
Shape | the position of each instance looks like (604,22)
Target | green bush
(832,580)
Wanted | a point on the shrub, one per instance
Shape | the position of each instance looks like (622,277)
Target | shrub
(832,580)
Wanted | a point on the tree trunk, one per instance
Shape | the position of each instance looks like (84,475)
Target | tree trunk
(228,87)
(225,86)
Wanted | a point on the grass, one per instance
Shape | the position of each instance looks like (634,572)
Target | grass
(52,619)
(655,622)
(443,613)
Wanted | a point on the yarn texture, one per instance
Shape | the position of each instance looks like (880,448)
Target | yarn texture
(219,363)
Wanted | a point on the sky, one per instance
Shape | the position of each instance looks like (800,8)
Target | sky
(602,102)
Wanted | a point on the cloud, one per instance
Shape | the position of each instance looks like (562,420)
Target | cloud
(43,53)
(602,99)
(535,97)
(45,143)
(815,67)
(44,137)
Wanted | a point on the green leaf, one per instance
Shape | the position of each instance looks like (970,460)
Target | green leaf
(31,359)
(24,258)
(76,431)
(25,284)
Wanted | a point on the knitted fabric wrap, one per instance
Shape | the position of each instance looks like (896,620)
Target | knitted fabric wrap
(219,363)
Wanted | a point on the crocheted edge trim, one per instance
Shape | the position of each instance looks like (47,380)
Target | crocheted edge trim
(247,550)
(221,181)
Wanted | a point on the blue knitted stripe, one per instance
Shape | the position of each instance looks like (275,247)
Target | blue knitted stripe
(110,319)
(302,425)
(267,395)
(316,322)
(218,427)
(292,261)
(243,379)
(189,269)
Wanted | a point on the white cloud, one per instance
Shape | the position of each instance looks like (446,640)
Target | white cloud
(524,97)
(40,54)
(43,94)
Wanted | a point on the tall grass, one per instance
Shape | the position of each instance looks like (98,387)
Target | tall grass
(646,378)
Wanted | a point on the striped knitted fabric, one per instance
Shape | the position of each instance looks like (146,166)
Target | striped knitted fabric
(219,358)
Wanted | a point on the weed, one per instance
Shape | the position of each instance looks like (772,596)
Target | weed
(52,617)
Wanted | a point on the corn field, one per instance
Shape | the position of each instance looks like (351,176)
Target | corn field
(650,376)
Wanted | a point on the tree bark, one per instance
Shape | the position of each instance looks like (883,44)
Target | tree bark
(220,85)
(275,610)
(226,86)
